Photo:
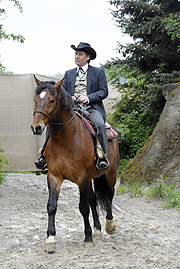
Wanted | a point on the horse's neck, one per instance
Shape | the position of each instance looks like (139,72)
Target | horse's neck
(62,124)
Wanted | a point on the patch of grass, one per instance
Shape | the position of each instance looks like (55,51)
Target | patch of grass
(170,194)
(122,189)
(158,189)
(20,172)
(134,189)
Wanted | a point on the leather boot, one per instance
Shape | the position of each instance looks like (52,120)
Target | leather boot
(102,161)
(40,162)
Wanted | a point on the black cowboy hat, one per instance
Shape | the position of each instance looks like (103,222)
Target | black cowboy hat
(86,48)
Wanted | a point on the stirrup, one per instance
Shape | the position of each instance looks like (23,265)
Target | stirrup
(102,164)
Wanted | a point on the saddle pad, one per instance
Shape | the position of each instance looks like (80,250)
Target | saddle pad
(87,123)
(110,131)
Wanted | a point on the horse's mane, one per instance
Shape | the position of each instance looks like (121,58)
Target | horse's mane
(46,85)
(66,100)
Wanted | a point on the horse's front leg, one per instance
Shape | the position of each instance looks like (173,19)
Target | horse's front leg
(84,210)
(54,188)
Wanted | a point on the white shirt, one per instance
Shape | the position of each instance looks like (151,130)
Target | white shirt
(85,68)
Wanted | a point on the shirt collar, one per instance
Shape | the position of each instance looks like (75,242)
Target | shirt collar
(85,68)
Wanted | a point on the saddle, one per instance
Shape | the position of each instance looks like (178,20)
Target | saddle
(90,126)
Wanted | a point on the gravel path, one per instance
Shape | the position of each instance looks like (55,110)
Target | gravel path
(147,236)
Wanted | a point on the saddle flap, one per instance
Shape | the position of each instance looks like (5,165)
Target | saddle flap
(112,133)
(86,122)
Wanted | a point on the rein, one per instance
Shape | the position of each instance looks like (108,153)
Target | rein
(64,123)
(50,118)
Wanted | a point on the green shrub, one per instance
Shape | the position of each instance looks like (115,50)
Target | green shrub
(3,161)
(138,110)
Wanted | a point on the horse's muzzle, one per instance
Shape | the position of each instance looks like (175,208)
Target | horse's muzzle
(37,130)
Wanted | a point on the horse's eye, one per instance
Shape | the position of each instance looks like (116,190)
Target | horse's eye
(52,101)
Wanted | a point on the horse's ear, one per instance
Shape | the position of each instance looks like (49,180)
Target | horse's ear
(38,82)
(58,84)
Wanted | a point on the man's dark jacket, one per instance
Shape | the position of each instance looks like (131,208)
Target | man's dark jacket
(97,88)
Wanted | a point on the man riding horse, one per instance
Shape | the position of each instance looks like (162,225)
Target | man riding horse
(88,86)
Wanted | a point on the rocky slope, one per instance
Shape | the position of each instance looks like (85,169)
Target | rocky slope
(160,155)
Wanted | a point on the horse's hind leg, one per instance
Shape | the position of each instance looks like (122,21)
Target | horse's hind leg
(104,191)
(54,187)
(110,224)
(92,203)
(84,210)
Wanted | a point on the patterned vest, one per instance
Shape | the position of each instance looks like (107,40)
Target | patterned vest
(80,87)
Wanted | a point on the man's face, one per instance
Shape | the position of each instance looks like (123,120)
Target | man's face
(81,58)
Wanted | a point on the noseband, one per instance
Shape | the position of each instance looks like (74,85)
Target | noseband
(50,118)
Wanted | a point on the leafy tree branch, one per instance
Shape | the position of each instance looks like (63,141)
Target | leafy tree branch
(3,34)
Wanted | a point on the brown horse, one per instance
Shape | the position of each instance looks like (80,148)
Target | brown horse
(69,154)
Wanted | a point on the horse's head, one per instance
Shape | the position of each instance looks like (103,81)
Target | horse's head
(46,100)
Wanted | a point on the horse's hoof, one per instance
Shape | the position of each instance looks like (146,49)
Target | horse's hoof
(89,244)
(110,226)
(50,244)
(96,232)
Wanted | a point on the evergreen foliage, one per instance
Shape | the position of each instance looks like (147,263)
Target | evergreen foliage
(142,20)
(146,65)
(172,26)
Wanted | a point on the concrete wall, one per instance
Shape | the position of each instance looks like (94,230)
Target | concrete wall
(16,115)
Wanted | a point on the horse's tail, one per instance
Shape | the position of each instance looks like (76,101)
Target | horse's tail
(103,193)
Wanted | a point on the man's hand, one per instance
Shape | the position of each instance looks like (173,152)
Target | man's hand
(73,98)
(83,99)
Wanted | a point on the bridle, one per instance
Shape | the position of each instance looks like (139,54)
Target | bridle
(50,118)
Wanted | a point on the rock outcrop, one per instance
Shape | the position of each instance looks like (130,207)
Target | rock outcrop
(160,156)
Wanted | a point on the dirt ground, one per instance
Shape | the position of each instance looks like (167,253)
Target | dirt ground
(147,235)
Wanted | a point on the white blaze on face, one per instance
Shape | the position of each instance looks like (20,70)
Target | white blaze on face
(42,94)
